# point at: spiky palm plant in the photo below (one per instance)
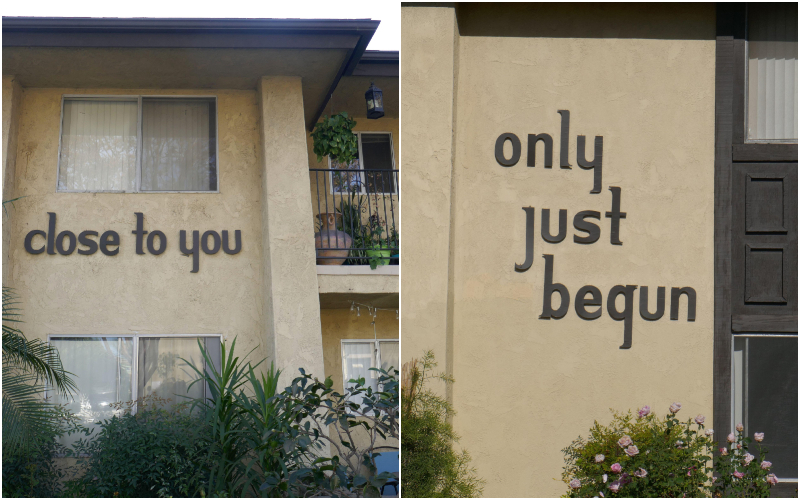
(28, 364)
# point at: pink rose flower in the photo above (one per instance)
(772, 479)
(614, 486)
(640, 473)
(575, 484)
(601, 495)
(758, 436)
(723, 451)
(625, 441)
(709, 432)
(748, 458)
(739, 427)
(674, 407)
(738, 474)
(739, 446)
(605, 478)
(632, 450)
(699, 419)
(599, 458)
(766, 464)
(645, 411)
(616, 468)
(731, 438)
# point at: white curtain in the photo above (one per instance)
(163, 373)
(98, 145)
(102, 368)
(390, 356)
(358, 358)
(772, 72)
(176, 145)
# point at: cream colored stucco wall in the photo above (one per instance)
(12, 100)
(130, 293)
(525, 387)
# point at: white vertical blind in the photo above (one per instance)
(772, 71)
(102, 368)
(176, 145)
(98, 145)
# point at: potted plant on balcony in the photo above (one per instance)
(334, 137)
(378, 248)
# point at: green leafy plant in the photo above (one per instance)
(28, 364)
(36, 472)
(334, 137)
(641, 456)
(319, 413)
(740, 474)
(154, 452)
(431, 466)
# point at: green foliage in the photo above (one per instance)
(154, 452)
(664, 458)
(334, 137)
(35, 472)
(317, 410)
(28, 420)
(430, 465)
(756, 478)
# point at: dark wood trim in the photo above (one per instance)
(765, 152)
(722, 233)
(757, 323)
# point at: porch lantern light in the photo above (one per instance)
(374, 97)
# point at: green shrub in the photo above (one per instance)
(739, 473)
(642, 456)
(35, 472)
(430, 465)
(154, 452)
(647, 456)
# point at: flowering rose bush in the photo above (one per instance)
(644, 456)
(738, 472)
(641, 455)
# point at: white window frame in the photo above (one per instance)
(744, 389)
(135, 337)
(361, 167)
(138, 181)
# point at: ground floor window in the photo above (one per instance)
(358, 356)
(110, 369)
(765, 396)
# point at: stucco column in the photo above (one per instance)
(428, 121)
(12, 102)
(291, 296)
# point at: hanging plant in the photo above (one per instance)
(334, 137)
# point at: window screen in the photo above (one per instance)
(359, 357)
(765, 396)
(377, 152)
(772, 71)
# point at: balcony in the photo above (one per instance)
(357, 235)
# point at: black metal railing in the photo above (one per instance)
(355, 216)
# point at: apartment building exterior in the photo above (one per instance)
(162, 176)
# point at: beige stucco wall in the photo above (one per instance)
(428, 62)
(130, 293)
(12, 100)
(525, 387)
